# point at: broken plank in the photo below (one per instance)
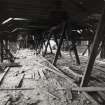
(88, 89)
(10, 65)
(19, 84)
(58, 72)
(14, 89)
(49, 93)
(88, 96)
(2, 76)
(50, 65)
(42, 73)
(71, 73)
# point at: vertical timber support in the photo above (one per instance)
(89, 47)
(98, 36)
(50, 48)
(102, 55)
(60, 44)
(42, 42)
(6, 47)
(76, 54)
(55, 38)
(74, 50)
(46, 45)
(36, 43)
(26, 40)
(1, 51)
(8, 52)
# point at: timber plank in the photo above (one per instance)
(19, 84)
(3, 75)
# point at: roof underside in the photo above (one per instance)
(42, 8)
(45, 12)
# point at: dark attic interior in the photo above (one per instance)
(52, 52)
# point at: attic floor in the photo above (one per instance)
(39, 83)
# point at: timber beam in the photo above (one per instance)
(98, 36)
(76, 54)
(60, 44)
(1, 51)
(48, 41)
(55, 38)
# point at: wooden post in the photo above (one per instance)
(26, 40)
(8, 52)
(41, 45)
(42, 42)
(6, 47)
(55, 38)
(102, 55)
(98, 36)
(60, 44)
(46, 45)
(88, 48)
(35, 43)
(50, 47)
(74, 50)
(76, 54)
(1, 51)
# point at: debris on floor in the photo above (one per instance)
(38, 82)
